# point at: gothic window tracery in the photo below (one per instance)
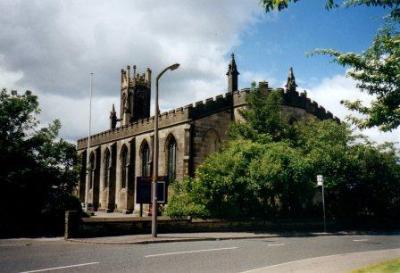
(145, 158)
(171, 159)
(124, 166)
(107, 168)
(91, 170)
(212, 140)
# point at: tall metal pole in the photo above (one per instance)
(155, 168)
(88, 140)
(323, 206)
(155, 156)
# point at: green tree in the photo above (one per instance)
(265, 172)
(394, 5)
(361, 178)
(264, 120)
(376, 71)
(37, 173)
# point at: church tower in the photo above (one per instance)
(135, 95)
(232, 75)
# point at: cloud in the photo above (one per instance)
(50, 47)
(330, 91)
(247, 77)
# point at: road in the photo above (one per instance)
(56, 255)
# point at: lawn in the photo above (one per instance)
(391, 266)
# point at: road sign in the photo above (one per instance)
(162, 191)
(143, 190)
(320, 180)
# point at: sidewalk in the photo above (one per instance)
(340, 263)
(183, 237)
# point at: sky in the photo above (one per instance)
(52, 46)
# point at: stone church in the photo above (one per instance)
(186, 136)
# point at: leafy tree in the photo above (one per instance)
(376, 71)
(361, 178)
(265, 172)
(264, 121)
(394, 5)
(37, 173)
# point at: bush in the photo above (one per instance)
(269, 170)
(182, 201)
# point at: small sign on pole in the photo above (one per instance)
(320, 180)
(162, 191)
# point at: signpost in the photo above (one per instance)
(320, 182)
(143, 191)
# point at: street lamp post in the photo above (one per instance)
(155, 155)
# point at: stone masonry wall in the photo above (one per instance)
(199, 129)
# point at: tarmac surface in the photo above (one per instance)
(339, 263)
(210, 252)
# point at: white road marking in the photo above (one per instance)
(59, 267)
(190, 251)
(264, 269)
(360, 240)
(281, 244)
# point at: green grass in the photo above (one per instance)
(390, 266)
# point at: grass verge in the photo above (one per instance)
(390, 266)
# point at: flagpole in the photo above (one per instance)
(88, 140)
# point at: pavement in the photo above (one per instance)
(340, 263)
(180, 237)
(199, 236)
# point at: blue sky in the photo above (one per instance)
(282, 39)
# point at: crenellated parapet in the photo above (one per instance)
(211, 105)
(300, 100)
(135, 105)
(173, 117)
(205, 108)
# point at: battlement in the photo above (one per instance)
(204, 108)
(129, 79)
(166, 119)
(300, 100)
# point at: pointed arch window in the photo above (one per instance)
(145, 158)
(91, 170)
(212, 140)
(171, 160)
(124, 166)
(107, 167)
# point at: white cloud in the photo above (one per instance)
(74, 113)
(330, 91)
(50, 47)
(247, 77)
(9, 79)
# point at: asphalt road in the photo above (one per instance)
(56, 255)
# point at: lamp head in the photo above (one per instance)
(174, 66)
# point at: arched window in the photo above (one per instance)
(124, 166)
(107, 167)
(145, 156)
(212, 142)
(171, 159)
(91, 171)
